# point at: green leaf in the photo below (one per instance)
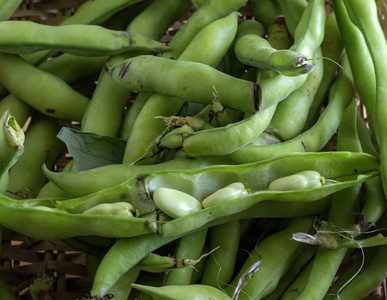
(91, 150)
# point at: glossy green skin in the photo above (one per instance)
(7, 8)
(291, 114)
(332, 48)
(314, 139)
(277, 253)
(122, 209)
(366, 18)
(45, 92)
(308, 179)
(105, 117)
(50, 225)
(77, 39)
(221, 263)
(41, 146)
(174, 203)
(160, 75)
(359, 58)
(189, 292)
(78, 184)
(228, 193)
(218, 36)
(188, 246)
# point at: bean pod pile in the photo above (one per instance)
(243, 156)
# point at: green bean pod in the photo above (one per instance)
(82, 183)
(221, 264)
(41, 220)
(77, 39)
(105, 117)
(291, 114)
(41, 146)
(332, 48)
(45, 92)
(256, 51)
(218, 35)
(189, 292)
(265, 11)
(276, 254)
(189, 246)
(292, 11)
(160, 75)
(368, 279)
(340, 96)
(7, 8)
(197, 184)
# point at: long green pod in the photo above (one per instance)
(368, 279)
(221, 263)
(82, 183)
(360, 60)
(36, 220)
(327, 261)
(366, 18)
(199, 186)
(340, 96)
(332, 49)
(189, 292)
(209, 12)
(122, 256)
(164, 76)
(105, 117)
(41, 146)
(43, 91)
(218, 35)
(265, 11)
(11, 141)
(7, 8)
(77, 39)
(276, 254)
(292, 11)
(290, 116)
(256, 51)
(68, 68)
(189, 246)
(224, 140)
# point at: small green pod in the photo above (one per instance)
(299, 181)
(123, 209)
(175, 203)
(230, 192)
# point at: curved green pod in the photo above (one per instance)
(50, 224)
(82, 183)
(188, 292)
(77, 39)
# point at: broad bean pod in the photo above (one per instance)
(276, 254)
(340, 96)
(218, 35)
(40, 89)
(82, 183)
(41, 146)
(7, 8)
(196, 183)
(256, 51)
(189, 292)
(332, 48)
(46, 224)
(105, 117)
(291, 114)
(365, 17)
(77, 39)
(292, 11)
(265, 11)
(327, 261)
